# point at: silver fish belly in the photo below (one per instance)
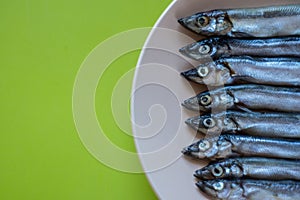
(247, 22)
(256, 97)
(251, 167)
(245, 69)
(279, 125)
(248, 189)
(216, 47)
(230, 145)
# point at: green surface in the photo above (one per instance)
(43, 44)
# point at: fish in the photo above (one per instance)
(216, 47)
(248, 96)
(282, 71)
(251, 167)
(271, 21)
(230, 145)
(264, 124)
(250, 189)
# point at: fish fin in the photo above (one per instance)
(243, 79)
(231, 94)
(233, 74)
(240, 34)
(238, 104)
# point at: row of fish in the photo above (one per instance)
(251, 118)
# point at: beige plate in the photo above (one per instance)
(158, 90)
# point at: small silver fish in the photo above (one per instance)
(249, 189)
(248, 22)
(229, 145)
(256, 97)
(246, 69)
(280, 125)
(216, 47)
(251, 167)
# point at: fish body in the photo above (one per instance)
(250, 96)
(229, 145)
(248, 189)
(216, 47)
(248, 22)
(251, 167)
(239, 69)
(280, 125)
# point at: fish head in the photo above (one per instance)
(221, 189)
(208, 73)
(220, 169)
(208, 23)
(205, 148)
(201, 102)
(219, 99)
(202, 50)
(207, 124)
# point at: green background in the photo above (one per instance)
(43, 44)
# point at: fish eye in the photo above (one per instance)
(204, 49)
(204, 145)
(205, 100)
(217, 171)
(209, 122)
(203, 71)
(202, 21)
(218, 186)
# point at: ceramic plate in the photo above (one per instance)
(158, 90)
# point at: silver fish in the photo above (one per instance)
(233, 70)
(247, 22)
(251, 167)
(241, 145)
(249, 189)
(216, 47)
(280, 125)
(255, 97)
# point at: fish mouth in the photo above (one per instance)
(192, 122)
(192, 51)
(190, 150)
(198, 174)
(184, 51)
(184, 22)
(181, 21)
(200, 185)
(192, 75)
(203, 175)
(195, 123)
(189, 24)
(186, 151)
(193, 151)
(206, 189)
(193, 104)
